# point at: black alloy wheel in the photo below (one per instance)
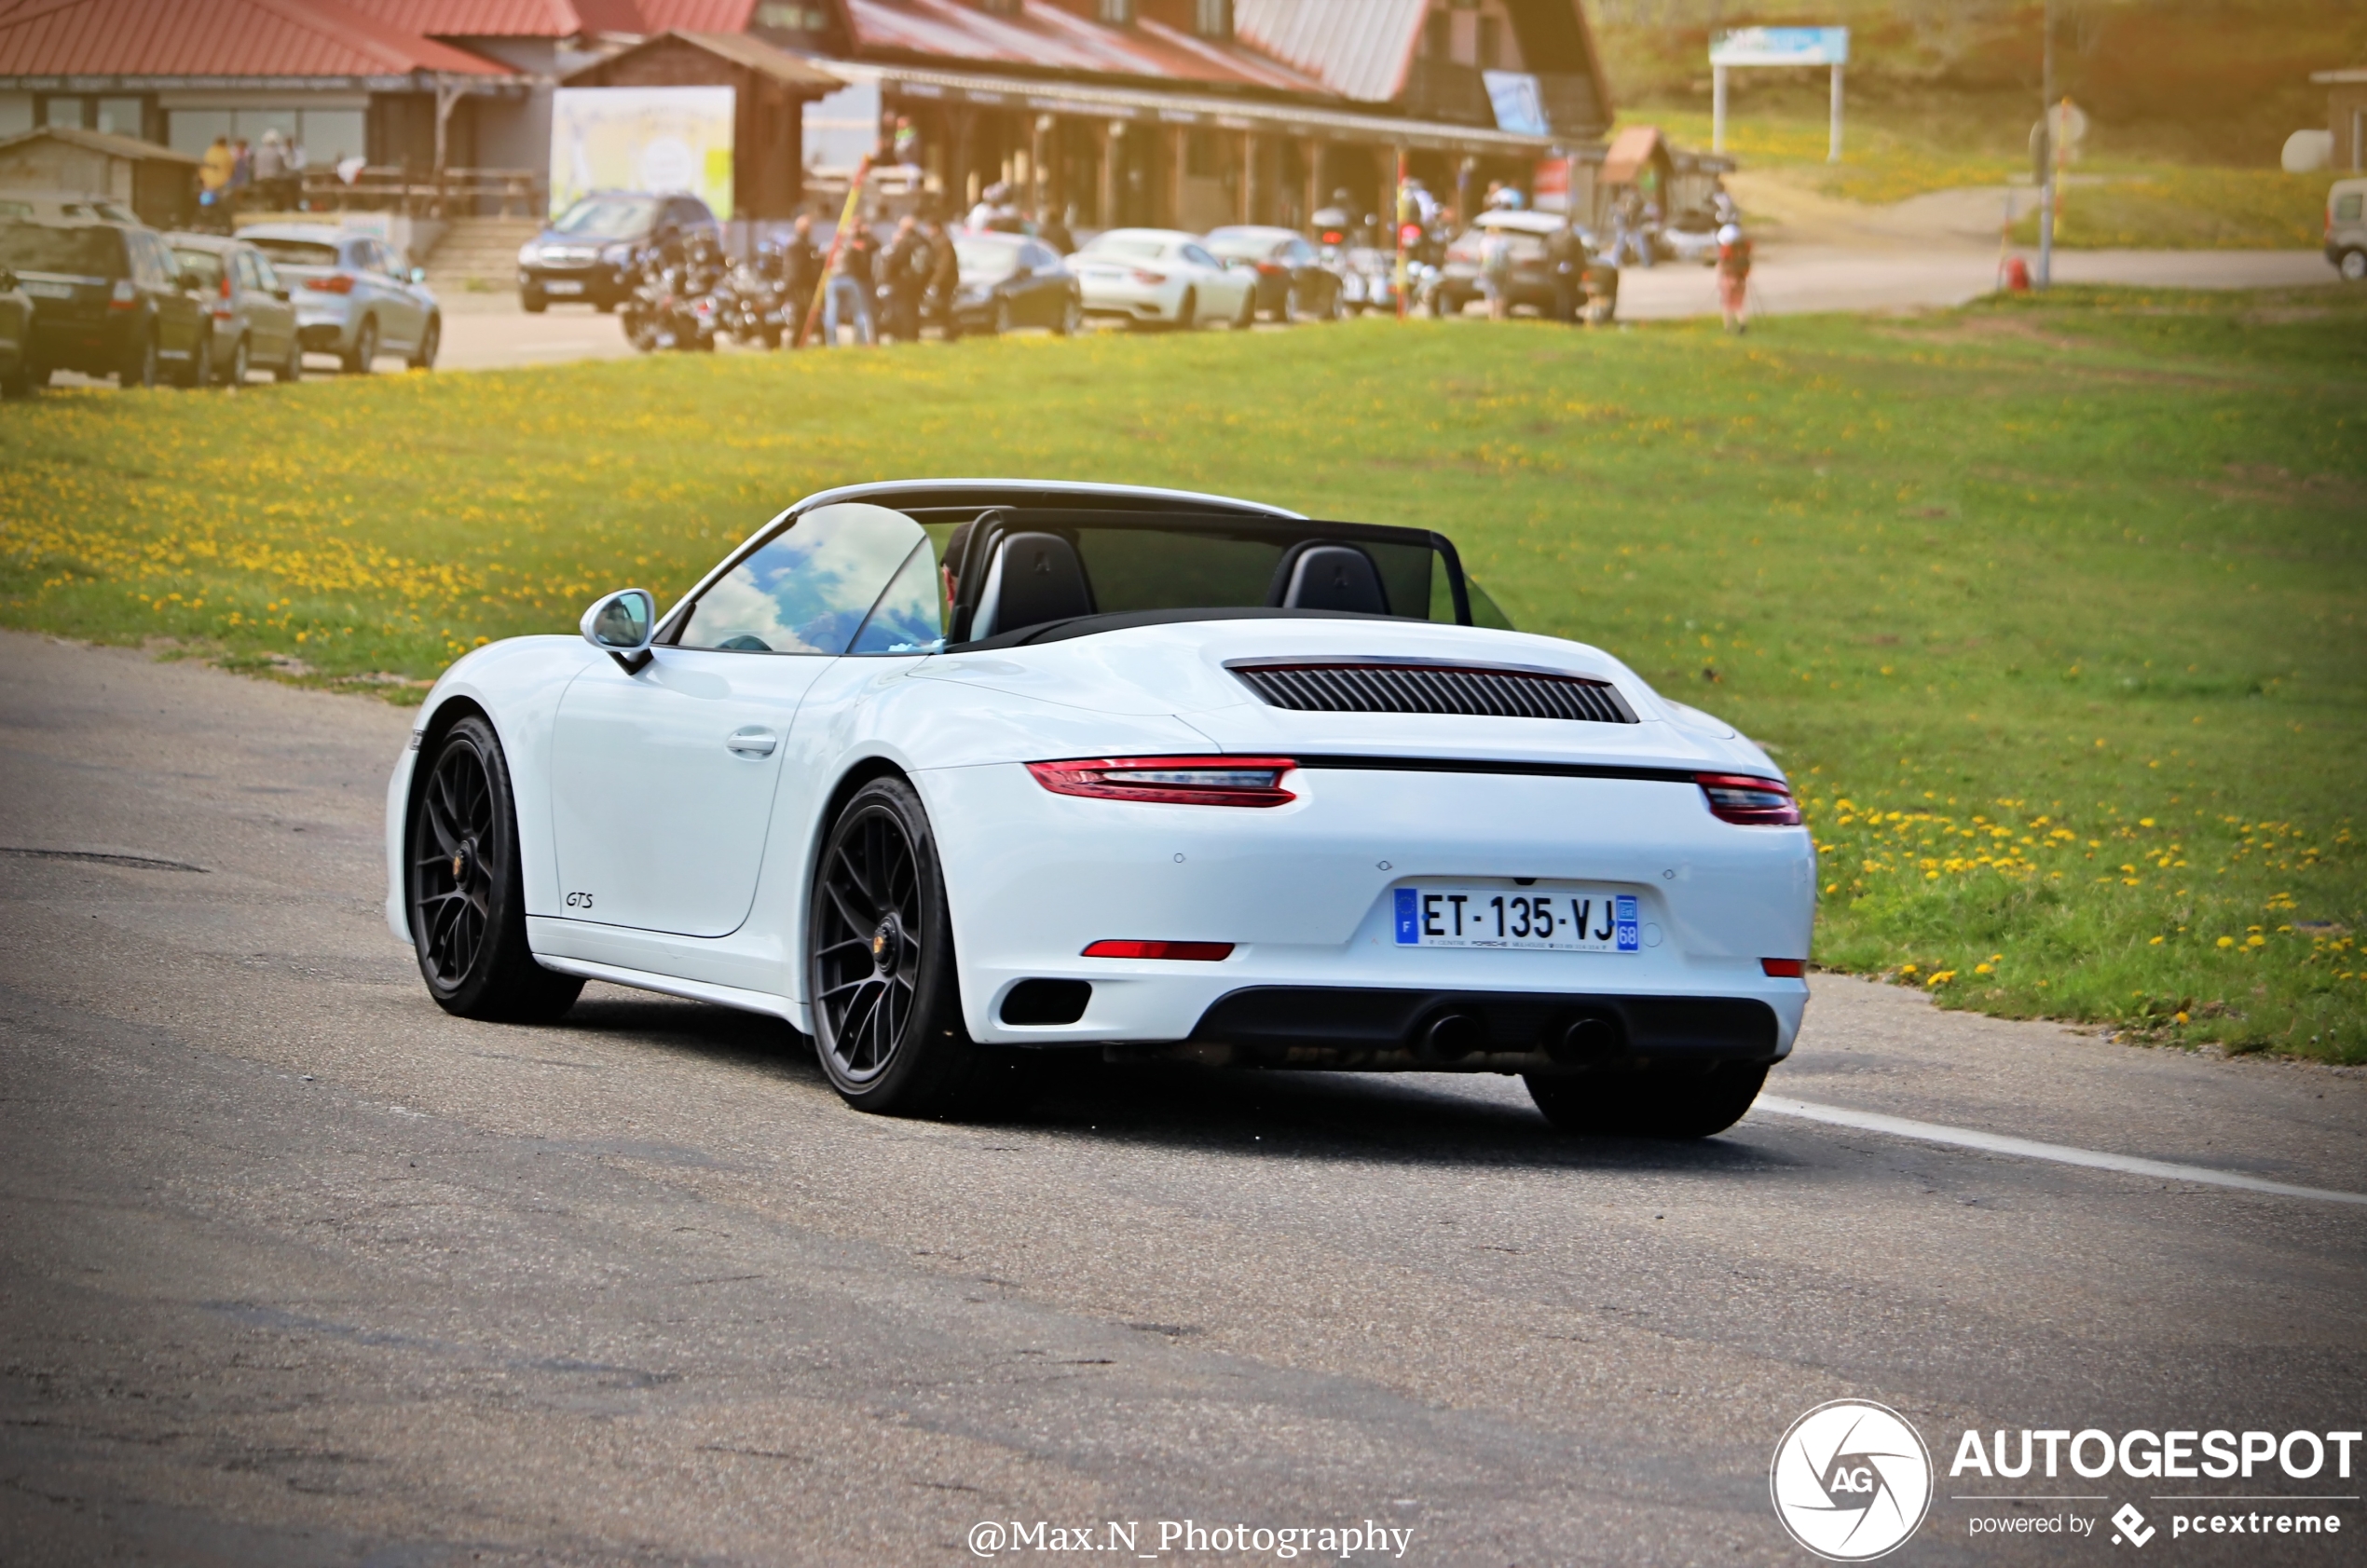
(1071, 317)
(465, 890)
(364, 353)
(423, 357)
(1659, 1103)
(140, 368)
(1289, 312)
(886, 1004)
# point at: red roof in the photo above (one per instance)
(215, 38)
(689, 15)
(1048, 37)
(557, 19)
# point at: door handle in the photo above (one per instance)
(751, 742)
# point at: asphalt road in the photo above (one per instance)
(295, 1269)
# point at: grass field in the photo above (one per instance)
(2051, 610)
(2115, 201)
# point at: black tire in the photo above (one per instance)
(291, 369)
(234, 375)
(1650, 1104)
(140, 369)
(1331, 308)
(1188, 314)
(465, 891)
(198, 372)
(886, 1003)
(2353, 266)
(1248, 315)
(1289, 311)
(533, 301)
(431, 339)
(1071, 317)
(363, 355)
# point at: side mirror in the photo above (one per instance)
(622, 625)
(281, 294)
(419, 274)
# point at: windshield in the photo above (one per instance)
(205, 264)
(295, 253)
(1128, 250)
(608, 214)
(87, 252)
(985, 260)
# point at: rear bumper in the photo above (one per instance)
(1480, 1032)
(93, 346)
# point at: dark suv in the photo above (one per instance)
(108, 299)
(587, 251)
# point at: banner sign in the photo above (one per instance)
(660, 140)
(1780, 46)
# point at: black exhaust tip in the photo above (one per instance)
(1452, 1036)
(1584, 1042)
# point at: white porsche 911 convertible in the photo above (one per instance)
(952, 773)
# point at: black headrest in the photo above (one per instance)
(1033, 578)
(1329, 577)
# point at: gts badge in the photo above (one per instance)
(578, 901)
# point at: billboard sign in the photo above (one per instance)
(1520, 108)
(1780, 46)
(666, 140)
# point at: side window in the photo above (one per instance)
(263, 277)
(909, 617)
(810, 588)
(246, 278)
(1199, 257)
(145, 266)
(2346, 208)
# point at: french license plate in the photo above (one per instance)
(563, 286)
(40, 290)
(1564, 920)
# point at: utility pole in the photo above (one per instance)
(2048, 162)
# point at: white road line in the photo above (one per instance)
(2023, 1148)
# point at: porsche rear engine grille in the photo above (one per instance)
(1435, 688)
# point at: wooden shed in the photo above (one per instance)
(155, 182)
(772, 88)
(2347, 115)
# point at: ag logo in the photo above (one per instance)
(1851, 1480)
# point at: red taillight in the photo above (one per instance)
(1197, 952)
(124, 296)
(1331, 236)
(1149, 279)
(1271, 269)
(1171, 781)
(1750, 801)
(1785, 969)
(337, 283)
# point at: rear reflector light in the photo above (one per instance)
(1199, 952)
(338, 283)
(1175, 781)
(1149, 279)
(1752, 802)
(124, 295)
(1271, 269)
(1785, 969)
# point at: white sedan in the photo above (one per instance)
(1153, 275)
(1165, 776)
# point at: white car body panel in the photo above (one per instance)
(698, 861)
(1111, 287)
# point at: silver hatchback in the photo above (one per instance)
(354, 297)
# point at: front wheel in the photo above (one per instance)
(1669, 1104)
(423, 357)
(534, 302)
(466, 891)
(1246, 317)
(1072, 318)
(2354, 267)
(886, 1004)
(140, 369)
(1188, 315)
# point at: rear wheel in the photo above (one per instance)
(1188, 315)
(363, 355)
(234, 374)
(887, 1007)
(140, 368)
(200, 373)
(1289, 312)
(466, 892)
(1650, 1104)
(1072, 318)
(1247, 316)
(292, 368)
(2354, 267)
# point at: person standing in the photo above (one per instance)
(270, 172)
(800, 272)
(945, 281)
(241, 172)
(904, 269)
(213, 183)
(850, 290)
(1734, 277)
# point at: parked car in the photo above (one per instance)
(1532, 278)
(1394, 835)
(1008, 280)
(19, 202)
(108, 300)
(1292, 278)
(1152, 275)
(253, 319)
(16, 336)
(589, 251)
(1691, 236)
(2346, 228)
(355, 297)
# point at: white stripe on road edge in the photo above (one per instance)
(1993, 1143)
